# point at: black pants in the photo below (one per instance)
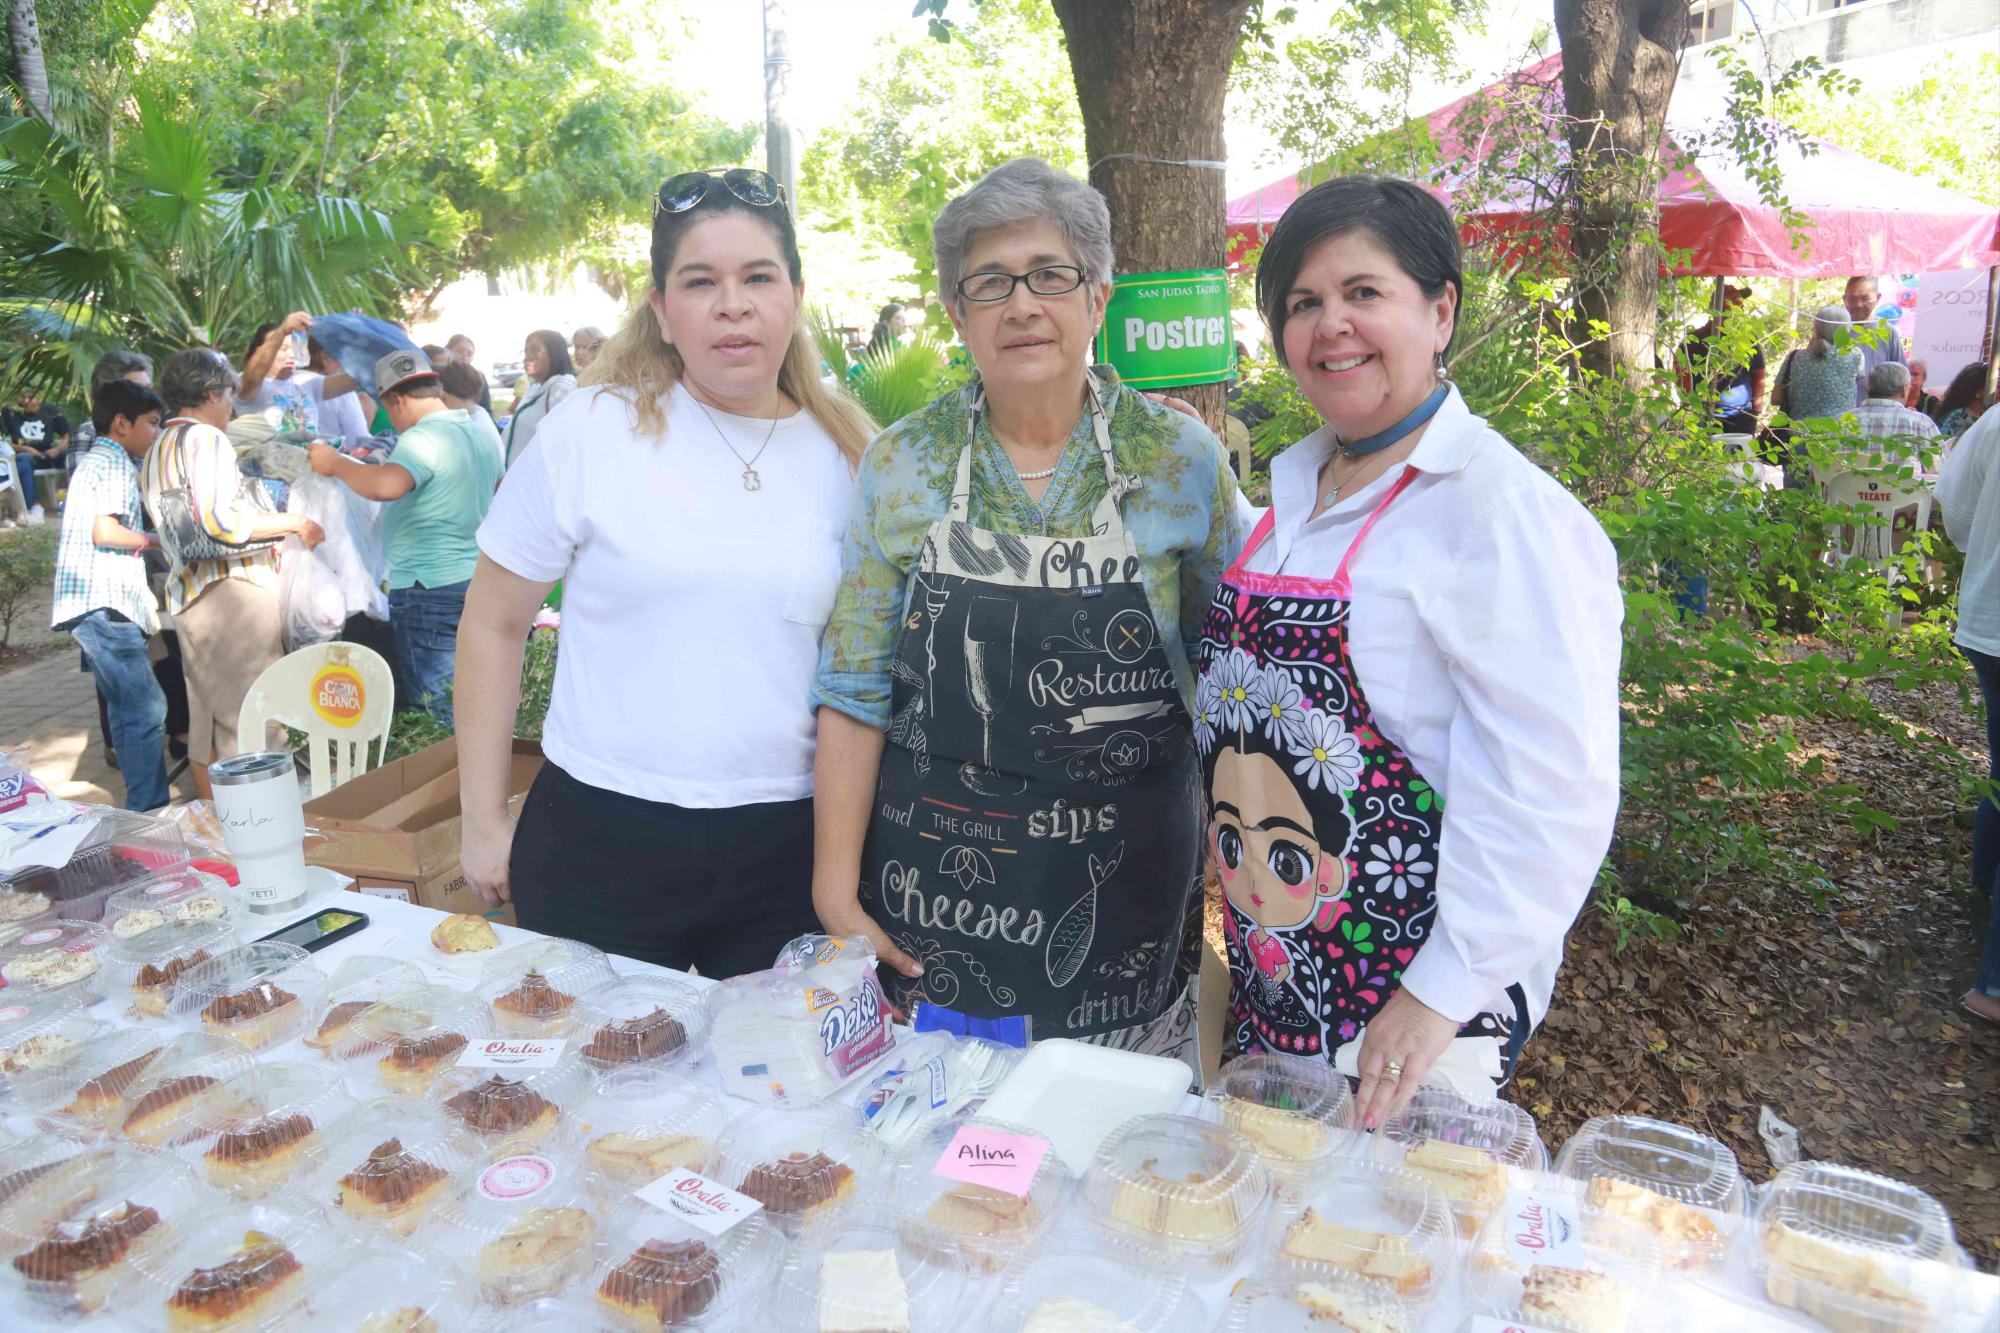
(720, 890)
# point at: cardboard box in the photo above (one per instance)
(396, 829)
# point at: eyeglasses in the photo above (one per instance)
(1055, 280)
(752, 187)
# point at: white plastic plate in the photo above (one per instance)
(1073, 1094)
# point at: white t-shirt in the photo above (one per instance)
(692, 608)
(341, 415)
(298, 396)
(1969, 493)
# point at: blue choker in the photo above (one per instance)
(1383, 439)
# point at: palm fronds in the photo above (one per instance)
(895, 381)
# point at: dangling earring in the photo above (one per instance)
(1443, 375)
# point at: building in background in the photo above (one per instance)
(1883, 43)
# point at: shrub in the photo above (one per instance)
(27, 571)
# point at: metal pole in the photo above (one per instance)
(780, 159)
(1992, 332)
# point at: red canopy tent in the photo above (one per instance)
(1864, 217)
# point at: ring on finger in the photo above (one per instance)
(1394, 1070)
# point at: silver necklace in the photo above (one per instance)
(751, 481)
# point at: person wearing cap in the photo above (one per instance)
(438, 485)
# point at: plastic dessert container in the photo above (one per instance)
(70, 1229)
(654, 1022)
(240, 1264)
(1183, 1187)
(141, 972)
(86, 1090)
(656, 1270)
(389, 1165)
(355, 985)
(1854, 1250)
(1682, 1186)
(571, 1314)
(1465, 1149)
(1548, 1260)
(1070, 1282)
(977, 1226)
(1296, 1113)
(391, 1288)
(1377, 1222)
(402, 1043)
(1293, 1298)
(188, 1079)
(534, 989)
(35, 1034)
(120, 849)
(638, 1124)
(57, 959)
(512, 1110)
(853, 1274)
(523, 1227)
(804, 1165)
(180, 894)
(24, 907)
(261, 995)
(256, 1141)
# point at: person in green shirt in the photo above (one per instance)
(438, 485)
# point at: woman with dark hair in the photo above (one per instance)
(461, 384)
(546, 365)
(1964, 401)
(225, 610)
(1408, 696)
(691, 500)
(890, 326)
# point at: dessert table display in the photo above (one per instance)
(436, 1123)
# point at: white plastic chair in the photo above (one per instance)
(1744, 467)
(10, 481)
(1903, 506)
(341, 695)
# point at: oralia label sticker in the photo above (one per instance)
(699, 1201)
(338, 695)
(1543, 1229)
(513, 1178)
(512, 1053)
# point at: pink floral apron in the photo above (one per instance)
(1324, 833)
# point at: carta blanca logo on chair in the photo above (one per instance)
(338, 695)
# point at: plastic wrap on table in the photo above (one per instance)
(801, 1029)
(18, 786)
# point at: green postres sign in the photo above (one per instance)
(1169, 328)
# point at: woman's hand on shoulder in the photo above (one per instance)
(1180, 405)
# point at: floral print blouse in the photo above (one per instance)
(1185, 520)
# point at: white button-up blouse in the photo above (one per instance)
(1485, 631)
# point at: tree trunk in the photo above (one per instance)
(1150, 79)
(1620, 60)
(25, 31)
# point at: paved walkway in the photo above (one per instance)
(50, 707)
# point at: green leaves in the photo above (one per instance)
(893, 381)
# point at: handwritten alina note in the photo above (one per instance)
(993, 1158)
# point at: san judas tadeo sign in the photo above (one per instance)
(1169, 328)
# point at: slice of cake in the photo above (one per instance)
(504, 1111)
(256, 1017)
(409, 1319)
(862, 1291)
(985, 1225)
(1166, 1208)
(1386, 1258)
(1468, 1177)
(102, 1094)
(1284, 1135)
(799, 1184)
(392, 1187)
(85, 1262)
(247, 1288)
(1825, 1281)
(639, 1159)
(134, 924)
(533, 1009)
(663, 1283)
(334, 1026)
(157, 1118)
(531, 1258)
(261, 1153)
(154, 985)
(1339, 1310)
(1687, 1228)
(1069, 1314)
(413, 1063)
(37, 1052)
(1577, 1298)
(631, 1040)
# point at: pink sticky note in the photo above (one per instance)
(993, 1158)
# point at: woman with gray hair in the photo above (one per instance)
(1006, 783)
(225, 610)
(1821, 379)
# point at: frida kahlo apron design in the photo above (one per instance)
(1035, 840)
(1324, 833)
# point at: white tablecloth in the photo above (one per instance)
(401, 930)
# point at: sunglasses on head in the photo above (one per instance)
(752, 187)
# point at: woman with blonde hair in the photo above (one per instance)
(692, 500)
